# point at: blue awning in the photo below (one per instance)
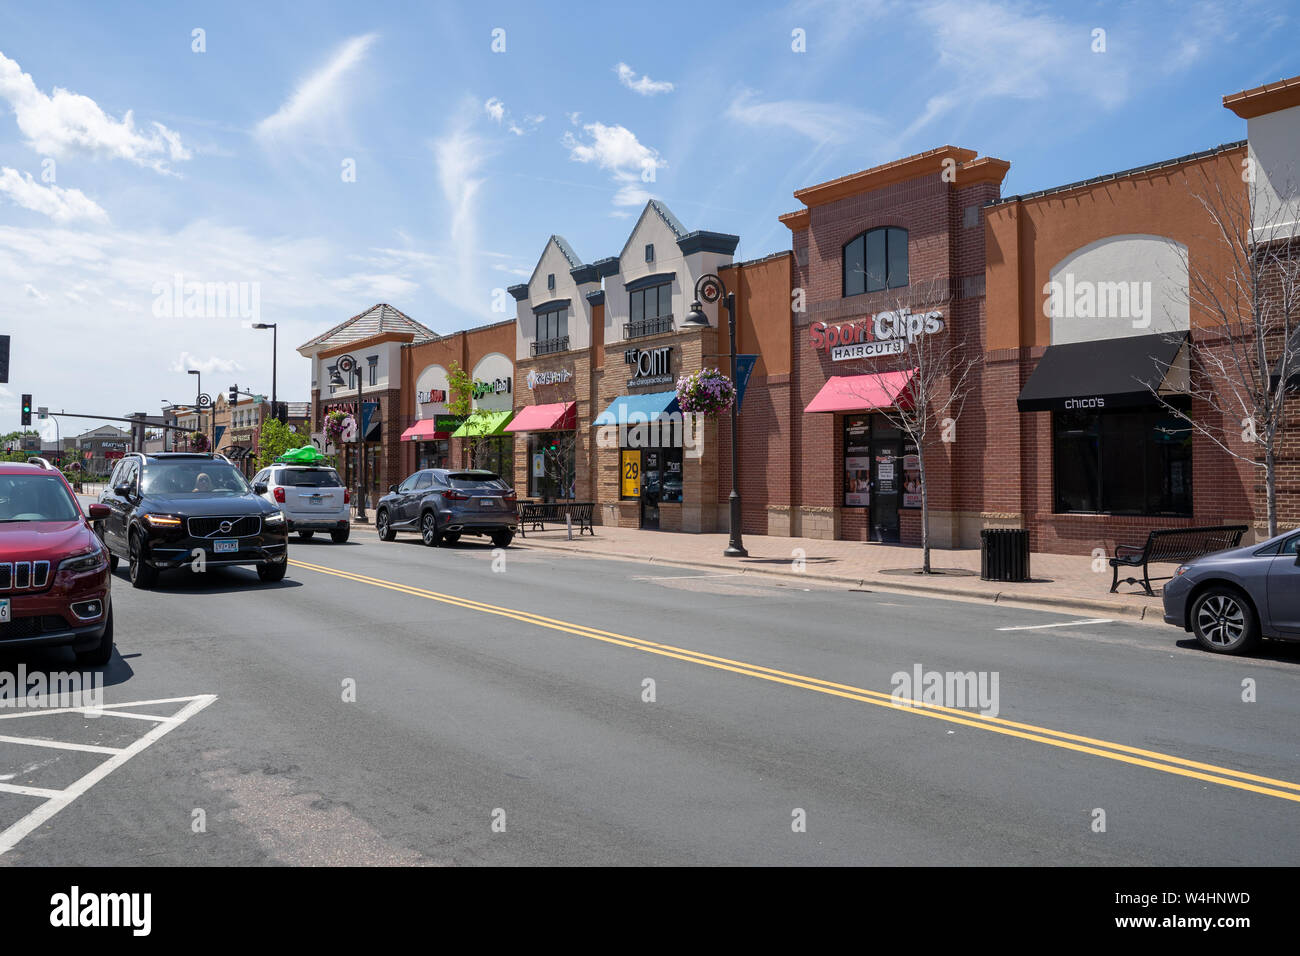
(638, 408)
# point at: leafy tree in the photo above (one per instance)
(460, 402)
(274, 441)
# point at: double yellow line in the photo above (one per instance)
(1153, 760)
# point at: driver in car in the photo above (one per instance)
(202, 483)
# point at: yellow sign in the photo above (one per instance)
(630, 472)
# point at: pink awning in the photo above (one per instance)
(862, 393)
(426, 429)
(560, 417)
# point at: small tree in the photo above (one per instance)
(460, 402)
(1245, 352)
(942, 374)
(275, 439)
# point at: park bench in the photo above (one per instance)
(535, 514)
(1171, 545)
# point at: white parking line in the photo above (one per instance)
(58, 799)
(1036, 627)
(58, 745)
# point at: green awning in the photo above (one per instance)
(483, 424)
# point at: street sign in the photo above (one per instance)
(43, 412)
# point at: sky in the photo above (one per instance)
(312, 160)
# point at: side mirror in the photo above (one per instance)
(97, 511)
(122, 489)
(392, 488)
(259, 488)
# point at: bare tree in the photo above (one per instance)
(1245, 348)
(942, 375)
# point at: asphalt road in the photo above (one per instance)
(501, 716)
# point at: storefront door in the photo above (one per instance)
(651, 487)
(886, 492)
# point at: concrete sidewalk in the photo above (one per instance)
(1059, 582)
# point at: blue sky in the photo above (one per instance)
(127, 158)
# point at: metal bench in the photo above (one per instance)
(1172, 545)
(535, 514)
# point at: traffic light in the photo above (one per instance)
(27, 410)
(4, 359)
(234, 395)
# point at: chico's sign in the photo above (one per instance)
(884, 333)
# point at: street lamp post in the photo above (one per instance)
(711, 289)
(202, 401)
(345, 366)
(275, 409)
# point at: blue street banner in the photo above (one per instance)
(744, 367)
(216, 441)
(367, 409)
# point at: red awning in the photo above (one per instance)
(560, 417)
(861, 393)
(426, 429)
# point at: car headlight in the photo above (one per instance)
(274, 517)
(162, 521)
(86, 561)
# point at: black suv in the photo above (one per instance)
(443, 504)
(178, 510)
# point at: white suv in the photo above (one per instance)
(311, 498)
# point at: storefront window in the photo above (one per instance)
(496, 454)
(1134, 462)
(551, 469)
(433, 454)
(857, 461)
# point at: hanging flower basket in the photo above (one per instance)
(707, 392)
(198, 441)
(335, 424)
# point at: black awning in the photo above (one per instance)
(1107, 373)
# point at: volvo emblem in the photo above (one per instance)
(225, 527)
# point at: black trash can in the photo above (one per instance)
(1004, 554)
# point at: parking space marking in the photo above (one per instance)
(56, 800)
(1039, 627)
(58, 745)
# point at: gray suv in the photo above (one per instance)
(442, 504)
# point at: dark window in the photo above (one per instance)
(408, 484)
(307, 478)
(552, 325)
(550, 281)
(35, 498)
(188, 478)
(649, 252)
(468, 481)
(876, 260)
(558, 472)
(653, 302)
(1135, 462)
(423, 480)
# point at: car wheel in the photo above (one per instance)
(502, 539)
(386, 532)
(271, 573)
(341, 535)
(306, 535)
(102, 653)
(451, 537)
(142, 576)
(1223, 621)
(429, 529)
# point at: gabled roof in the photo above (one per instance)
(374, 321)
(1268, 98)
(566, 250)
(689, 242)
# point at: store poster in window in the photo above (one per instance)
(911, 476)
(857, 463)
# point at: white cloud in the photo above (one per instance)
(459, 157)
(616, 149)
(819, 122)
(320, 95)
(67, 123)
(495, 109)
(643, 84)
(212, 363)
(61, 205)
(32, 292)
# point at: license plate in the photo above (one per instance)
(315, 499)
(225, 547)
(486, 503)
(4, 610)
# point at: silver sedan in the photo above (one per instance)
(1232, 598)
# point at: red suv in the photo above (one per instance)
(54, 576)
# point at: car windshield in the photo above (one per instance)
(35, 498)
(308, 478)
(477, 481)
(203, 478)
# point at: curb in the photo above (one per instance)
(1135, 612)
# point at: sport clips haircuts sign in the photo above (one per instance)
(885, 333)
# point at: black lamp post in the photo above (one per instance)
(348, 365)
(202, 401)
(711, 289)
(275, 409)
